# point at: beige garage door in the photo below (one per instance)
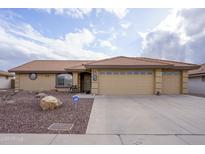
(126, 82)
(171, 82)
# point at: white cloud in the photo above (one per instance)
(173, 23)
(75, 13)
(125, 25)
(107, 44)
(119, 12)
(110, 31)
(78, 13)
(179, 37)
(19, 43)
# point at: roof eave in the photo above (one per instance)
(75, 70)
(192, 67)
(144, 66)
(127, 66)
(37, 71)
(196, 75)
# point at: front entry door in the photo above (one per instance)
(87, 83)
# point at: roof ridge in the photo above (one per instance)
(105, 59)
(10, 70)
(133, 58)
(158, 60)
(143, 59)
(164, 60)
(75, 66)
(61, 60)
(180, 62)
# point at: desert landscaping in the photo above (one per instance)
(20, 112)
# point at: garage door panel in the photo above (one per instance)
(171, 82)
(126, 83)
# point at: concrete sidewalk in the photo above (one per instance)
(46, 139)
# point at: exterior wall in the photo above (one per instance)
(184, 82)
(48, 81)
(17, 81)
(94, 83)
(76, 79)
(61, 89)
(43, 82)
(79, 81)
(5, 83)
(158, 81)
(196, 85)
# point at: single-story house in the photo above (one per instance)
(196, 82)
(112, 76)
(5, 79)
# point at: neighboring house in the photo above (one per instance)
(5, 80)
(112, 76)
(196, 82)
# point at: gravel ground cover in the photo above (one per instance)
(20, 113)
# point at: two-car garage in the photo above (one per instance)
(137, 81)
(139, 75)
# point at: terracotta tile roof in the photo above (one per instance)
(48, 65)
(138, 62)
(170, 62)
(76, 67)
(115, 62)
(197, 72)
(121, 61)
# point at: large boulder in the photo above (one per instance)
(50, 103)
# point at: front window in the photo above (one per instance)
(64, 80)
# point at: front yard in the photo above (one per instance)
(21, 113)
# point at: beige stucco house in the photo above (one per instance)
(113, 76)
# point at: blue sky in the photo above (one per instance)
(29, 34)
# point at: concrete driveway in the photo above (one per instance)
(148, 115)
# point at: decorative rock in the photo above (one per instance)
(4, 97)
(30, 92)
(50, 103)
(16, 91)
(40, 95)
(10, 102)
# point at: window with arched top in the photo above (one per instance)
(64, 80)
